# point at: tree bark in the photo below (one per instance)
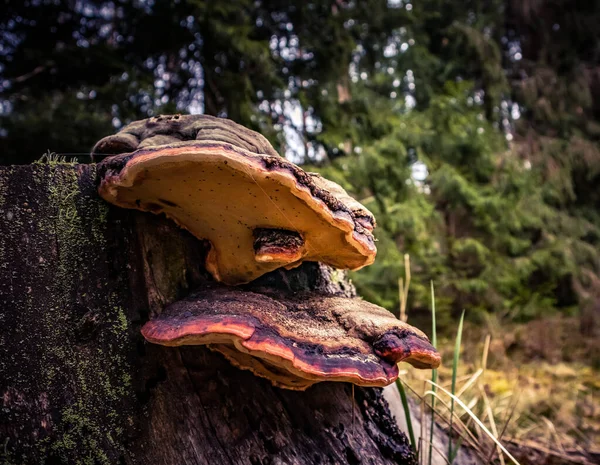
(78, 383)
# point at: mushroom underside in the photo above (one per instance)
(295, 341)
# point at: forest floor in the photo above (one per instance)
(534, 384)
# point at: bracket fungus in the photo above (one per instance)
(295, 340)
(226, 184)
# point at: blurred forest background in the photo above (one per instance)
(471, 129)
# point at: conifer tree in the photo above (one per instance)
(469, 128)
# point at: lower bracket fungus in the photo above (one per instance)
(295, 340)
(226, 184)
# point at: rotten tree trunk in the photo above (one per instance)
(78, 384)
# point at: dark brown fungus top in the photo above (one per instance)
(223, 183)
(295, 340)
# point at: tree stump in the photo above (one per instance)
(78, 383)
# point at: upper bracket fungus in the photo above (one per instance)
(226, 184)
(295, 340)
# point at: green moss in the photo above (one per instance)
(2, 191)
(337, 276)
(122, 319)
(97, 381)
(6, 457)
(87, 380)
(81, 437)
(126, 379)
(4, 175)
(53, 159)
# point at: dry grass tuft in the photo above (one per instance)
(544, 411)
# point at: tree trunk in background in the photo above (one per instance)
(78, 384)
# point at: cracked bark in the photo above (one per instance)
(78, 384)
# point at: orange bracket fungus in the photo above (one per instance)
(295, 340)
(225, 183)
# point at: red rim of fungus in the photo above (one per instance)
(295, 341)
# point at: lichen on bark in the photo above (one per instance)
(71, 326)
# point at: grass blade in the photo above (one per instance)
(490, 415)
(421, 455)
(475, 377)
(403, 288)
(476, 420)
(433, 372)
(406, 407)
(454, 371)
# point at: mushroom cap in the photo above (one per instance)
(295, 341)
(222, 181)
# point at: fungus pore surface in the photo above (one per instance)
(226, 184)
(295, 340)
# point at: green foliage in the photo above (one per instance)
(455, 361)
(468, 225)
(504, 227)
(365, 92)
